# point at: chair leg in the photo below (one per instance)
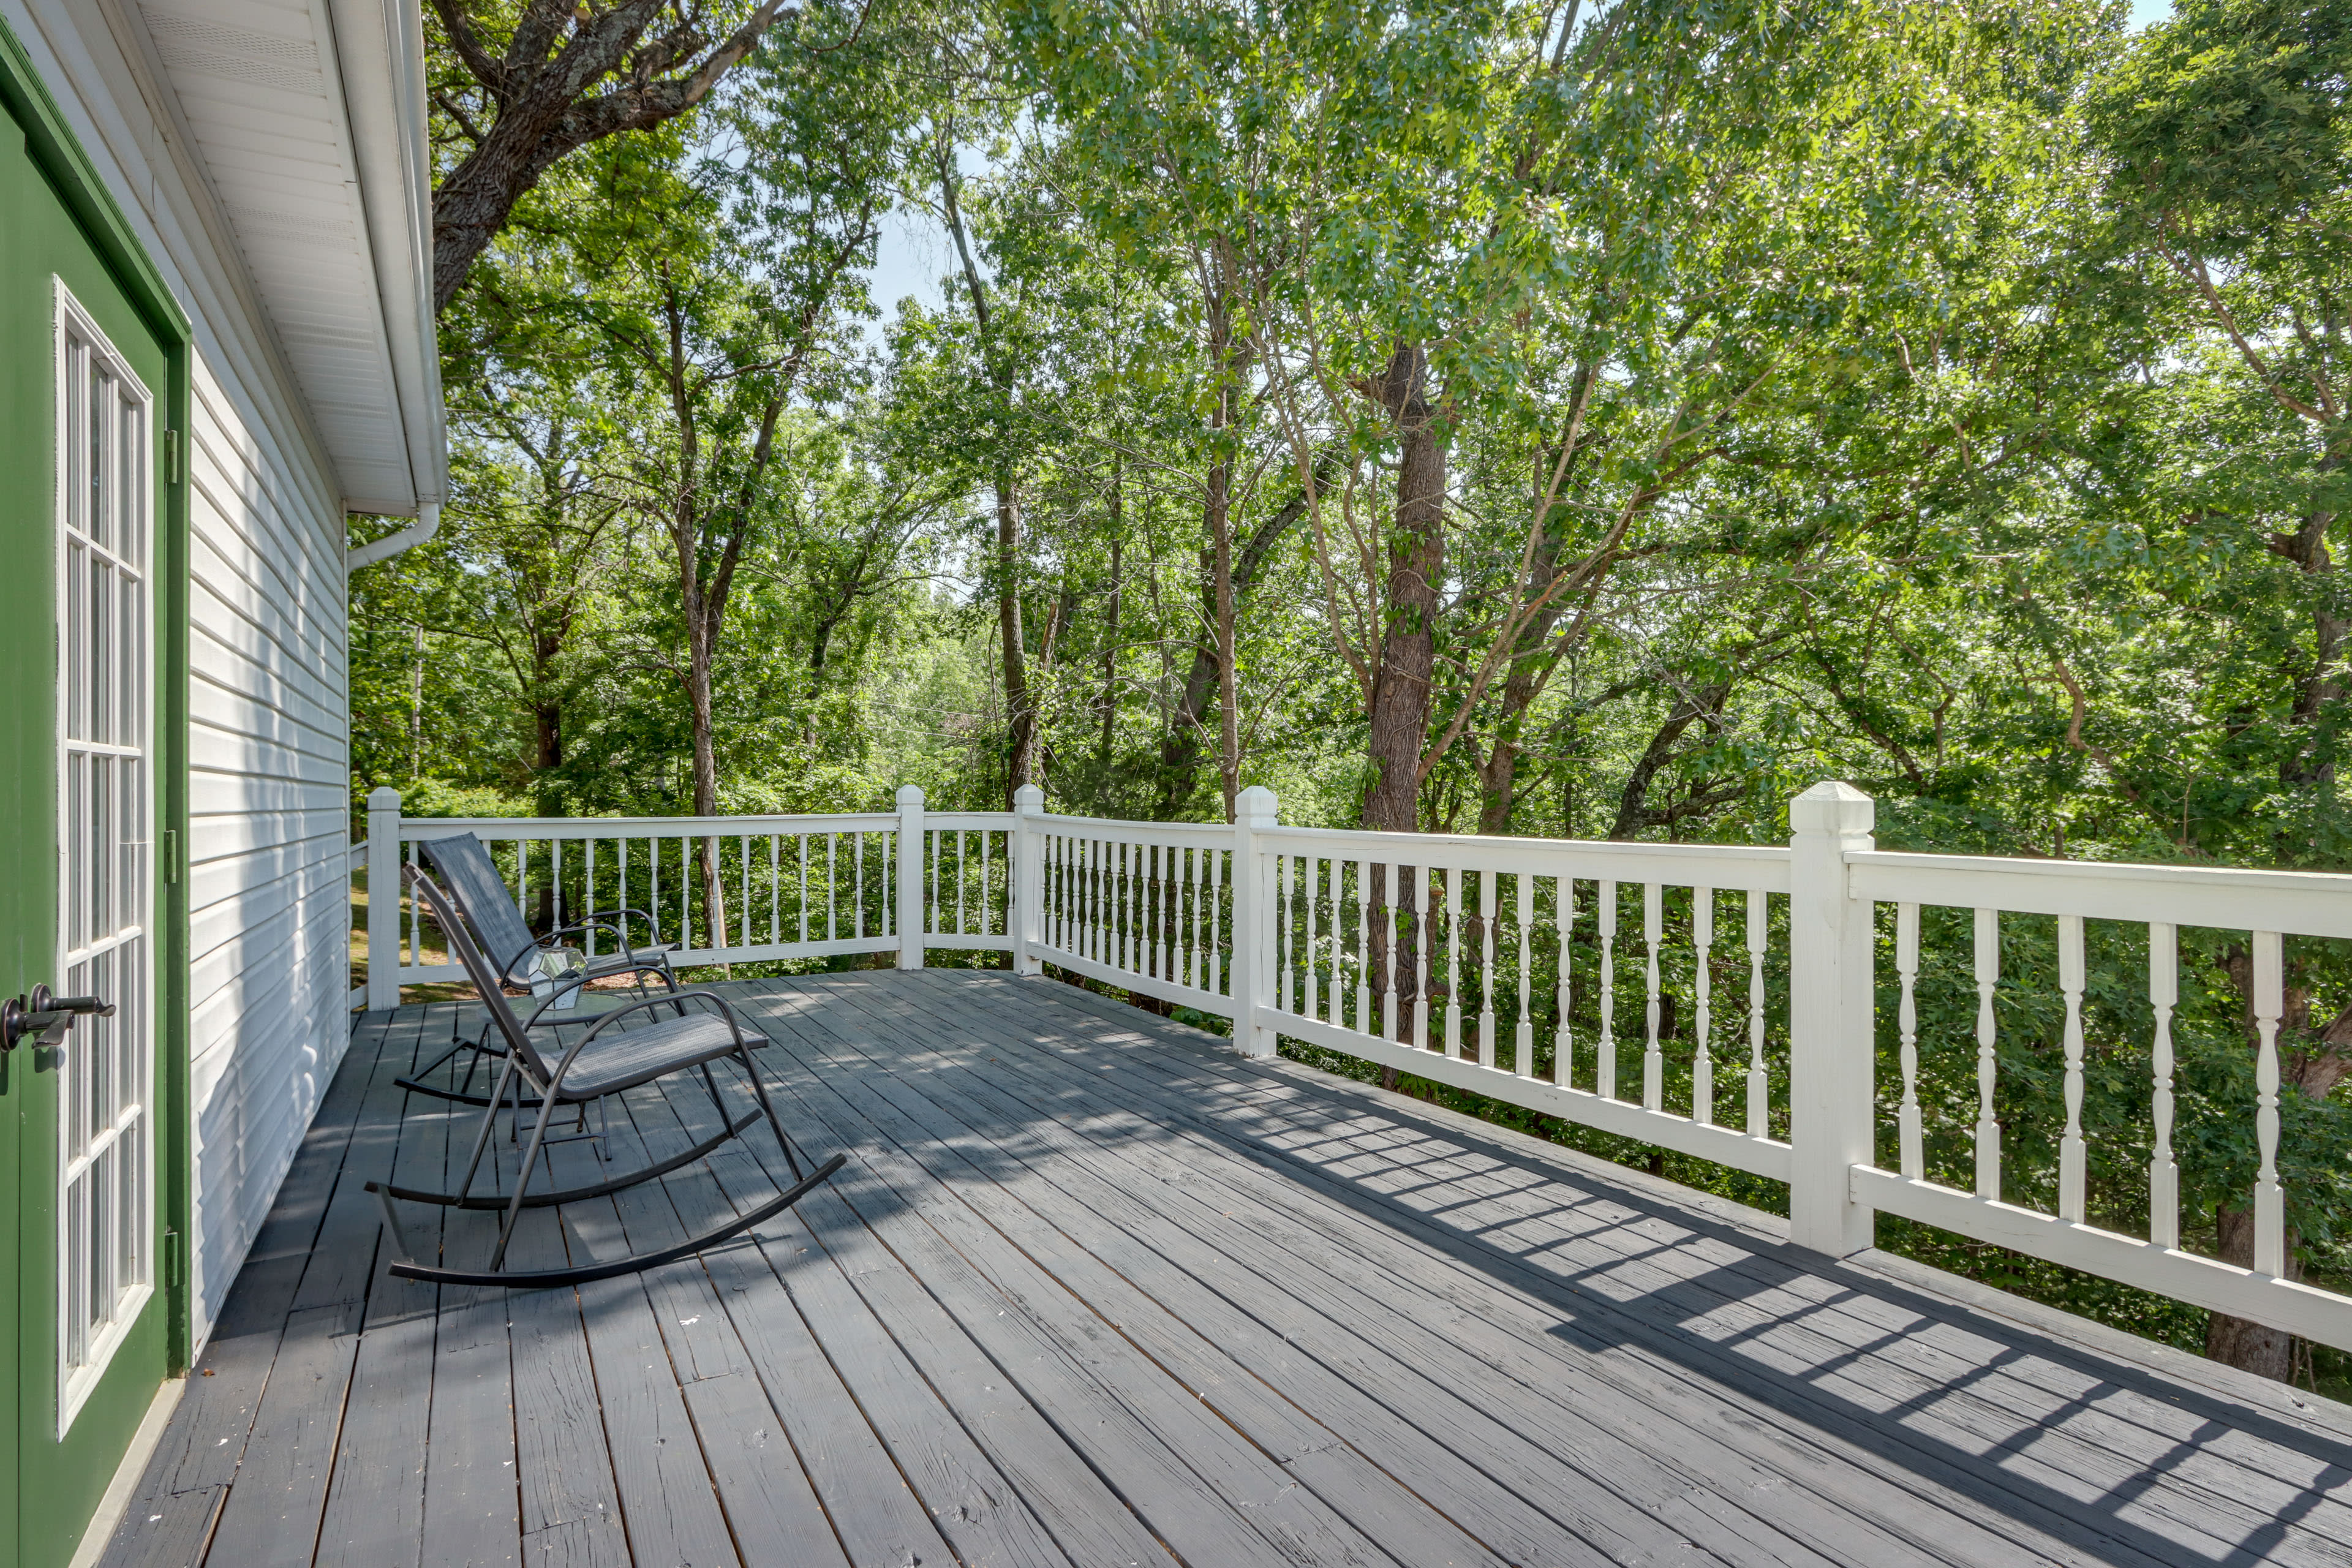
(712, 1085)
(489, 1122)
(523, 1176)
(751, 1071)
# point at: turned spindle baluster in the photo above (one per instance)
(1487, 969)
(1702, 1065)
(1605, 1070)
(1524, 1059)
(1906, 966)
(1988, 971)
(1563, 912)
(2163, 1175)
(2071, 1151)
(2270, 1199)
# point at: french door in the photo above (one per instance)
(106, 1154)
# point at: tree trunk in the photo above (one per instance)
(1109, 702)
(1022, 738)
(699, 651)
(1498, 770)
(1180, 744)
(555, 91)
(416, 708)
(1401, 688)
(1219, 517)
(2240, 1342)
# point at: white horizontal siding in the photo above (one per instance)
(268, 893)
(268, 746)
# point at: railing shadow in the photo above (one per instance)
(1384, 1164)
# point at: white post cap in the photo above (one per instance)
(1834, 808)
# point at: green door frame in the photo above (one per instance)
(59, 154)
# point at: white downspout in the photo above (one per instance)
(428, 521)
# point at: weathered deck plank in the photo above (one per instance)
(1773, 1312)
(1092, 1290)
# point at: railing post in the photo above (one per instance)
(1255, 812)
(384, 899)
(910, 877)
(1026, 920)
(1830, 1021)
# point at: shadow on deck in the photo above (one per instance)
(1092, 1290)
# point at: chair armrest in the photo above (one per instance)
(653, 927)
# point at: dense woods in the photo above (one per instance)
(1598, 420)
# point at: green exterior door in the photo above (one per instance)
(88, 1130)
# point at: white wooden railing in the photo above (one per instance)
(1497, 966)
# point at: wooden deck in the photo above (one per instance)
(1094, 1291)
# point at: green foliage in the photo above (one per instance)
(1950, 399)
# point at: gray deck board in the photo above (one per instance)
(1781, 1321)
(1093, 1290)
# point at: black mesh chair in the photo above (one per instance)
(682, 1031)
(462, 865)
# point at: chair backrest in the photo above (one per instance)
(463, 864)
(446, 914)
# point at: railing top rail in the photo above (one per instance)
(995, 821)
(2308, 903)
(1762, 867)
(1222, 832)
(645, 827)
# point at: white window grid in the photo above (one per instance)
(106, 1136)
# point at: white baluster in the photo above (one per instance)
(2163, 1175)
(1906, 966)
(776, 889)
(987, 921)
(2070, 1172)
(1653, 1061)
(832, 916)
(2270, 1199)
(1363, 949)
(1486, 901)
(1391, 891)
(1606, 1081)
(743, 848)
(1424, 955)
(1702, 1065)
(1987, 969)
(1213, 959)
(1563, 1039)
(1336, 983)
(1760, 1082)
(1452, 895)
(1285, 867)
(804, 887)
(1524, 1062)
(859, 884)
(1137, 940)
(1196, 968)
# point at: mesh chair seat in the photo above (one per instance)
(626, 1058)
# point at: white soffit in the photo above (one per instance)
(308, 117)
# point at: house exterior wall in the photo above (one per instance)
(269, 710)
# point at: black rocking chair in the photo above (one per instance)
(463, 864)
(702, 1028)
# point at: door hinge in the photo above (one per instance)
(171, 1259)
(171, 855)
(171, 457)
